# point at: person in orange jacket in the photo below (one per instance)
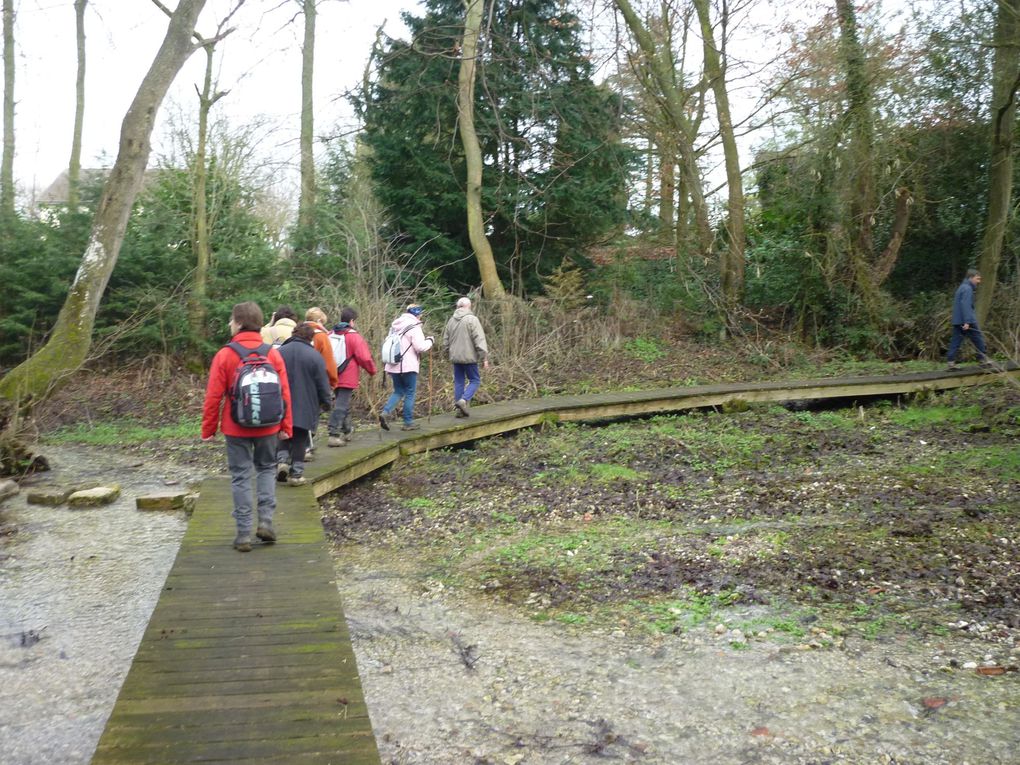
(320, 341)
(250, 450)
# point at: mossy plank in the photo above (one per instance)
(173, 750)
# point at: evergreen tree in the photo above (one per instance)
(555, 166)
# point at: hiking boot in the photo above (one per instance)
(282, 471)
(410, 426)
(952, 366)
(463, 407)
(265, 531)
(990, 365)
(297, 480)
(336, 441)
(309, 456)
(242, 542)
(382, 422)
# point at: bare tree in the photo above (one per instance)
(68, 344)
(74, 166)
(732, 260)
(306, 204)
(1005, 81)
(491, 284)
(207, 98)
(7, 165)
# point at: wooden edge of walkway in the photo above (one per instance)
(441, 431)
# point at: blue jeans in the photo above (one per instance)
(405, 384)
(973, 334)
(245, 457)
(474, 380)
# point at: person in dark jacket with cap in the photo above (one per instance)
(309, 394)
(964, 320)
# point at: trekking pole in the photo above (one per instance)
(430, 382)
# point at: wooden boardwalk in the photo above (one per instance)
(247, 658)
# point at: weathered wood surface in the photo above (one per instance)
(247, 658)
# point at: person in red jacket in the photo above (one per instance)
(249, 450)
(341, 428)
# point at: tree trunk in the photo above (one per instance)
(667, 186)
(74, 166)
(7, 164)
(69, 342)
(662, 70)
(732, 262)
(306, 205)
(491, 285)
(1005, 79)
(203, 249)
(859, 122)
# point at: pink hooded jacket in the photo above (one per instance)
(412, 343)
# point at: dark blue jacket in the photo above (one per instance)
(309, 384)
(963, 304)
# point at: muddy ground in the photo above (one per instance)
(758, 586)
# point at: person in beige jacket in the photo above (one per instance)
(464, 344)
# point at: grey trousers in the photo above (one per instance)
(340, 417)
(247, 457)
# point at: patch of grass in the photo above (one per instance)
(125, 432)
(571, 618)
(932, 416)
(690, 610)
(644, 349)
(999, 462)
(422, 503)
(608, 473)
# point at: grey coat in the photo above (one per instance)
(309, 384)
(464, 339)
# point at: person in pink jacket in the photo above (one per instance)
(413, 342)
(358, 357)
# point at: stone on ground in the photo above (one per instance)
(168, 500)
(102, 495)
(8, 488)
(52, 496)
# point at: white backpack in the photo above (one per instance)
(392, 352)
(338, 342)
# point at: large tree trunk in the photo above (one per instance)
(7, 164)
(491, 284)
(74, 166)
(1005, 79)
(69, 342)
(860, 126)
(733, 262)
(306, 205)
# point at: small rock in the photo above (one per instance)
(970, 665)
(8, 488)
(102, 495)
(720, 629)
(51, 497)
(171, 500)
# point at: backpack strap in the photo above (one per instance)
(261, 350)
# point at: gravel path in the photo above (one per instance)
(547, 693)
(77, 588)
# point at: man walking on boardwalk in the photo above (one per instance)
(464, 344)
(965, 320)
(251, 446)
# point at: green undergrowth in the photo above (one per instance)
(125, 432)
(803, 526)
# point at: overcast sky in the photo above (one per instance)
(260, 66)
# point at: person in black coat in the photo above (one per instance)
(309, 394)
